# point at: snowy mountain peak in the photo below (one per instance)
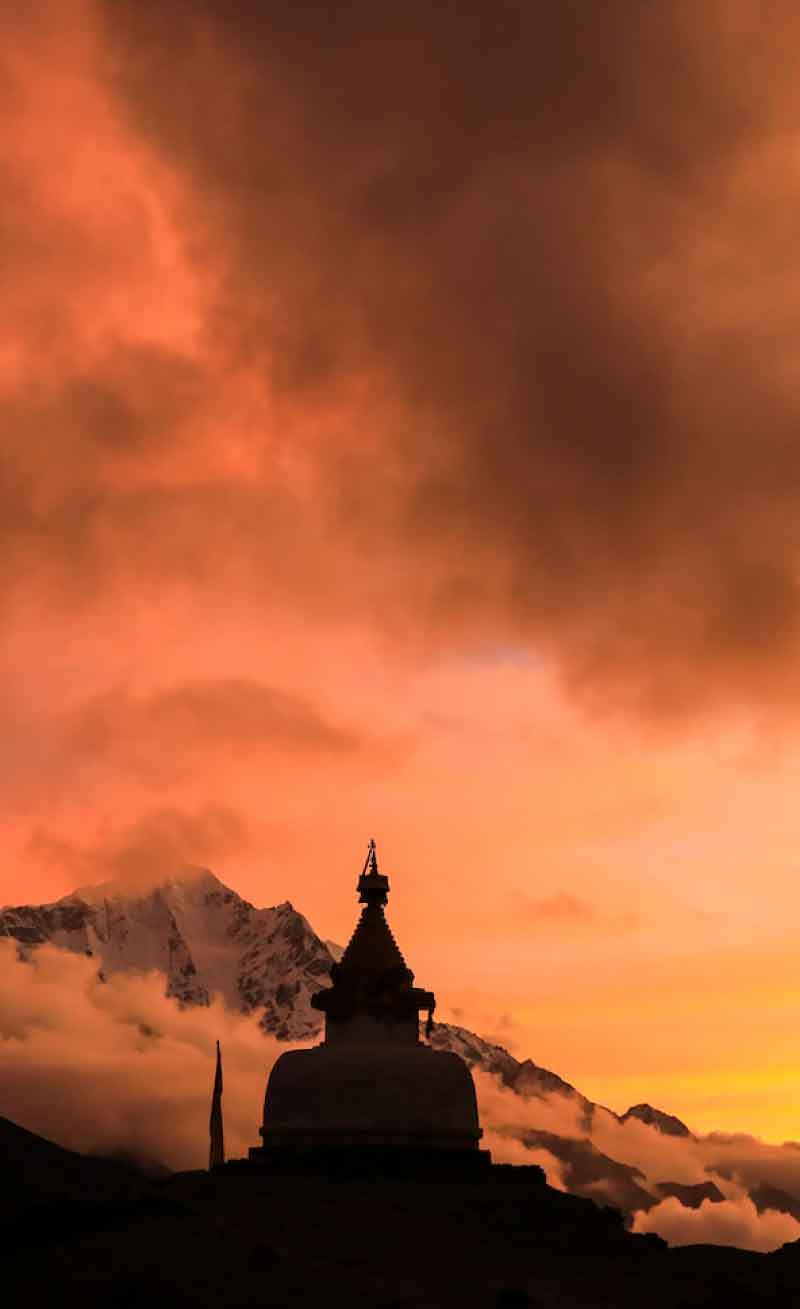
(191, 882)
(200, 934)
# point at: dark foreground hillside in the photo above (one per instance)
(96, 1233)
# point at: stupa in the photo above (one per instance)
(372, 1088)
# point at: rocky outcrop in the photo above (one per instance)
(666, 1123)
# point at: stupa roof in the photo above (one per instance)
(372, 950)
(372, 976)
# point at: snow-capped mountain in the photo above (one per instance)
(206, 939)
(201, 935)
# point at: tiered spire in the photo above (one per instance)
(372, 976)
(372, 951)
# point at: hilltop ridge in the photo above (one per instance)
(101, 1234)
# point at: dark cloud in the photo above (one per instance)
(524, 266)
(551, 239)
(209, 728)
(233, 714)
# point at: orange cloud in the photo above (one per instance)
(137, 857)
(101, 1067)
(565, 910)
(728, 1223)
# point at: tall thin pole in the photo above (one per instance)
(216, 1152)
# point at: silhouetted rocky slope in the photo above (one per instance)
(240, 1237)
(34, 1171)
(51, 1197)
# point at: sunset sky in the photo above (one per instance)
(400, 437)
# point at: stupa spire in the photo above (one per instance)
(373, 887)
(373, 994)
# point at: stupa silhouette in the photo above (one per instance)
(371, 1092)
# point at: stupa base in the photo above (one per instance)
(343, 1161)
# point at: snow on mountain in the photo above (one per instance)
(475, 1051)
(520, 1075)
(201, 935)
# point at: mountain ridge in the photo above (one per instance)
(206, 938)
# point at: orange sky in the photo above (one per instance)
(401, 440)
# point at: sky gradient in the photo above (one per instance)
(400, 425)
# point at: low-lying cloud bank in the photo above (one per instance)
(105, 1066)
(116, 1066)
(731, 1222)
(636, 1167)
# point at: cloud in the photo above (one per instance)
(336, 355)
(158, 845)
(168, 730)
(624, 1163)
(560, 907)
(564, 910)
(101, 1067)
(506, 1112)
(726, 1223)
(529, 250)
(185, 732)
(443, 307)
